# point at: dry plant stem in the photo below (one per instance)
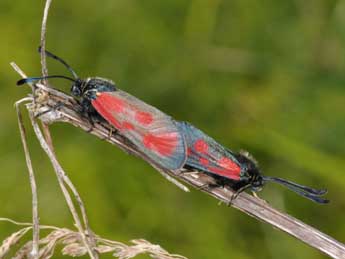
(27, 224)
(44, 65)
(43, 39)
(261, 210)
(81, 205)
(252, 206)
(61, 175)
(47, 135)
(35, 218)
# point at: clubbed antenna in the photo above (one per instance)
(32, 79)
(307, 192)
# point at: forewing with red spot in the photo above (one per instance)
(205, 154)
(152, 131)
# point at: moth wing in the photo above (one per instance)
(150, 130)
(205, 154)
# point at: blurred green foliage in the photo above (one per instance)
(265, 76)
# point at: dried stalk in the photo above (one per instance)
(250, 205)
(43, 39)
(61, 175)
(35, 218)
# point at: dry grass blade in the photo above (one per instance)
(12, 240)
(74, 246)
(74, 250)
(50, 242)
(35, 218)
(61, 175)
(142, 246)
(24, 251)
(43, 37)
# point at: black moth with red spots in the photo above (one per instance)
(236, 170)
(170, 144)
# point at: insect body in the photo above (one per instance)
(237, 170)
(169, 143)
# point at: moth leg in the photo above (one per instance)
(89, 113)
(196, 174)
(207, 186)
(234, 196)
(110, 133)
(92, 124)
(257, 196)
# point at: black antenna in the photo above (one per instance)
(307, 192)
(32, 79)
(51, 55)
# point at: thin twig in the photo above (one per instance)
(16, 222)
(43, 39)
(47, 135)
(250, 205)
(27, 224)
(18, 70)
(35, 218)
(60, 175)
(80, 203)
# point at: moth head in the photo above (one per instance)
(250, 170)
(77, 88)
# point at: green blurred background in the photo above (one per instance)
(264, 76)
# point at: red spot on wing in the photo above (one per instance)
(189, 151)
(227, 168)
(228, 164)
(143, 118)
(234, 175)
(111, 102)
(163, 143)
(104, 110)
(128, 125)
(201, 146)
(203, 161)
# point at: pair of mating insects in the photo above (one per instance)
(171, 144)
